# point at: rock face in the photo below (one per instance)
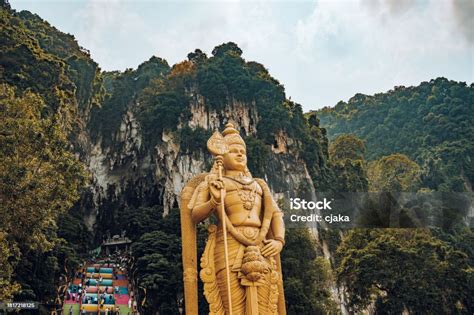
(142, 134)
(245, 116)
(127, 172)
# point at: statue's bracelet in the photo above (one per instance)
(281, 239)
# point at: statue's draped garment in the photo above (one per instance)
(247, 295)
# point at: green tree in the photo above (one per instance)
(197, 56)
(157, 250)
(346, 147)
(7, 261)
(159, 269)
(39, 177)
(346, 160)
(395, 172)
(229, 47)
(403, 269)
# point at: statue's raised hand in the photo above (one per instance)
(215, 187)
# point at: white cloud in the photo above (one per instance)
(107, 25)
(250, 25)
(388, 43)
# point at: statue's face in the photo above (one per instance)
(236, 158)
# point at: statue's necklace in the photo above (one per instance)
(244, 180)
(248, 192)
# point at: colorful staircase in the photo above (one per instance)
(99, 288)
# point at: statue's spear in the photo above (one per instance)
(218, 147)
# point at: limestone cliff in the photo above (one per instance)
(127, 172)
(148, 137)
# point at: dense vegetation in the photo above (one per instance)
(41, 58)
(404, 269)
(46, 80)
(432, 123)
(39, 181)
(373, 262)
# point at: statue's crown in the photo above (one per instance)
(232, 136)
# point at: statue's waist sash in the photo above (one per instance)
(235, 249)
(250, 232)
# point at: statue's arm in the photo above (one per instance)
(276, 243)
(204, 205)
(278, 226)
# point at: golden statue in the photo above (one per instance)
(240, 266)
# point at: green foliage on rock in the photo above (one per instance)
(315, 154)
(79, 67)
(306, 276)
(194, 140)
(224, 79)
(431, 123)
(122, 90)
(163, 114)
(346, 147)
(257, 155)
(36, 56)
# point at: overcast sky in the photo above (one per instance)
(321, 51)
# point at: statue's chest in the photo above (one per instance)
(245, 194)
